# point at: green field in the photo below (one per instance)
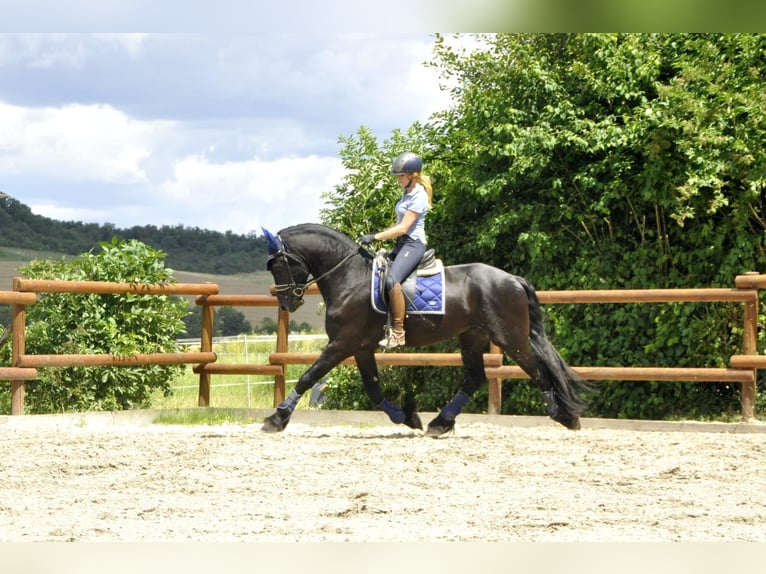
(239, 391)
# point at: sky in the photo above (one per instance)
(225, 116)
(220, 131)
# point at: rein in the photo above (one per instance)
(298, 290)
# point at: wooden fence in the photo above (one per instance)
(24, 367)
(742, 368)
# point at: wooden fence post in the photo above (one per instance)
(750, 347)
(495, 405)
(283, 328)
(206, 345)
(17, 350)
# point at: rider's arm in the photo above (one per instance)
(400, 228)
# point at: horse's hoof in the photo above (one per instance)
(413, 421)
(275, 423)
(572, 423)
(439, 426)
(411, 417)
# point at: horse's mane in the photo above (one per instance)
(316, 229)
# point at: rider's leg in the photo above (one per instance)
(397, 304)
(409, 252)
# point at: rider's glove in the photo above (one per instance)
(367, 238)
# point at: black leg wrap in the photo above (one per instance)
(277, 421)
(550, 402)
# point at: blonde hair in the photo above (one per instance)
(425, 181)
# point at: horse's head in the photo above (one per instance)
(314, 251)
(291, 276)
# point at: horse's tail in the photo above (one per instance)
(553, 370)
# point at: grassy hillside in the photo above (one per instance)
(185, 248)
(243, 284)
(230, 257)
(256, 284)
(20, 256)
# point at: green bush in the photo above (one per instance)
(596, 161)
(123, 325)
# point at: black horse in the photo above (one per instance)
(482, 304)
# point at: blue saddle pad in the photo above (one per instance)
(424, 295)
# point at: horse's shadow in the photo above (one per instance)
(395, 436)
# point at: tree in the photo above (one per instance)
(599, 161)
(227, 322)
(122, 325)
(191, 249)
(364, 200)
(621, 160)
(268, 326)
(232, 322)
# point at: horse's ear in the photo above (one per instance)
(273, 242)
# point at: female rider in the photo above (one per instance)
(410, 234)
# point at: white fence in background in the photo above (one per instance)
(253, 339)
(244, 340)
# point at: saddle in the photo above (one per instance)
(423, 289)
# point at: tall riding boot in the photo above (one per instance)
(395, 335)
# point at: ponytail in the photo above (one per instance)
(425, 181)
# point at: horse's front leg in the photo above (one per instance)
(328, 359)
(368, 369)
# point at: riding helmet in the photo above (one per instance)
(407, 162)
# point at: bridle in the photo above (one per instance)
(297, 290)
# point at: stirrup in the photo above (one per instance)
(392, 338)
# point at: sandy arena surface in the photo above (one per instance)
(89, 481)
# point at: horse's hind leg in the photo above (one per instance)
(520, 352)
(518, 329)
(472, 347)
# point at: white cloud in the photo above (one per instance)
(40, 50)
(75, 142)
(216, 132)
(133, 44)
(69, 213)
(249, 194)
(79, 144)
(67, 51)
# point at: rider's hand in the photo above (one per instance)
(367, 238)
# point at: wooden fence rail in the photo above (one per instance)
(108, 360)
(108, 288)
(746, 293)
(24, 367)
(742, 367)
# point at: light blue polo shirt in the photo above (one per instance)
(417, 201)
